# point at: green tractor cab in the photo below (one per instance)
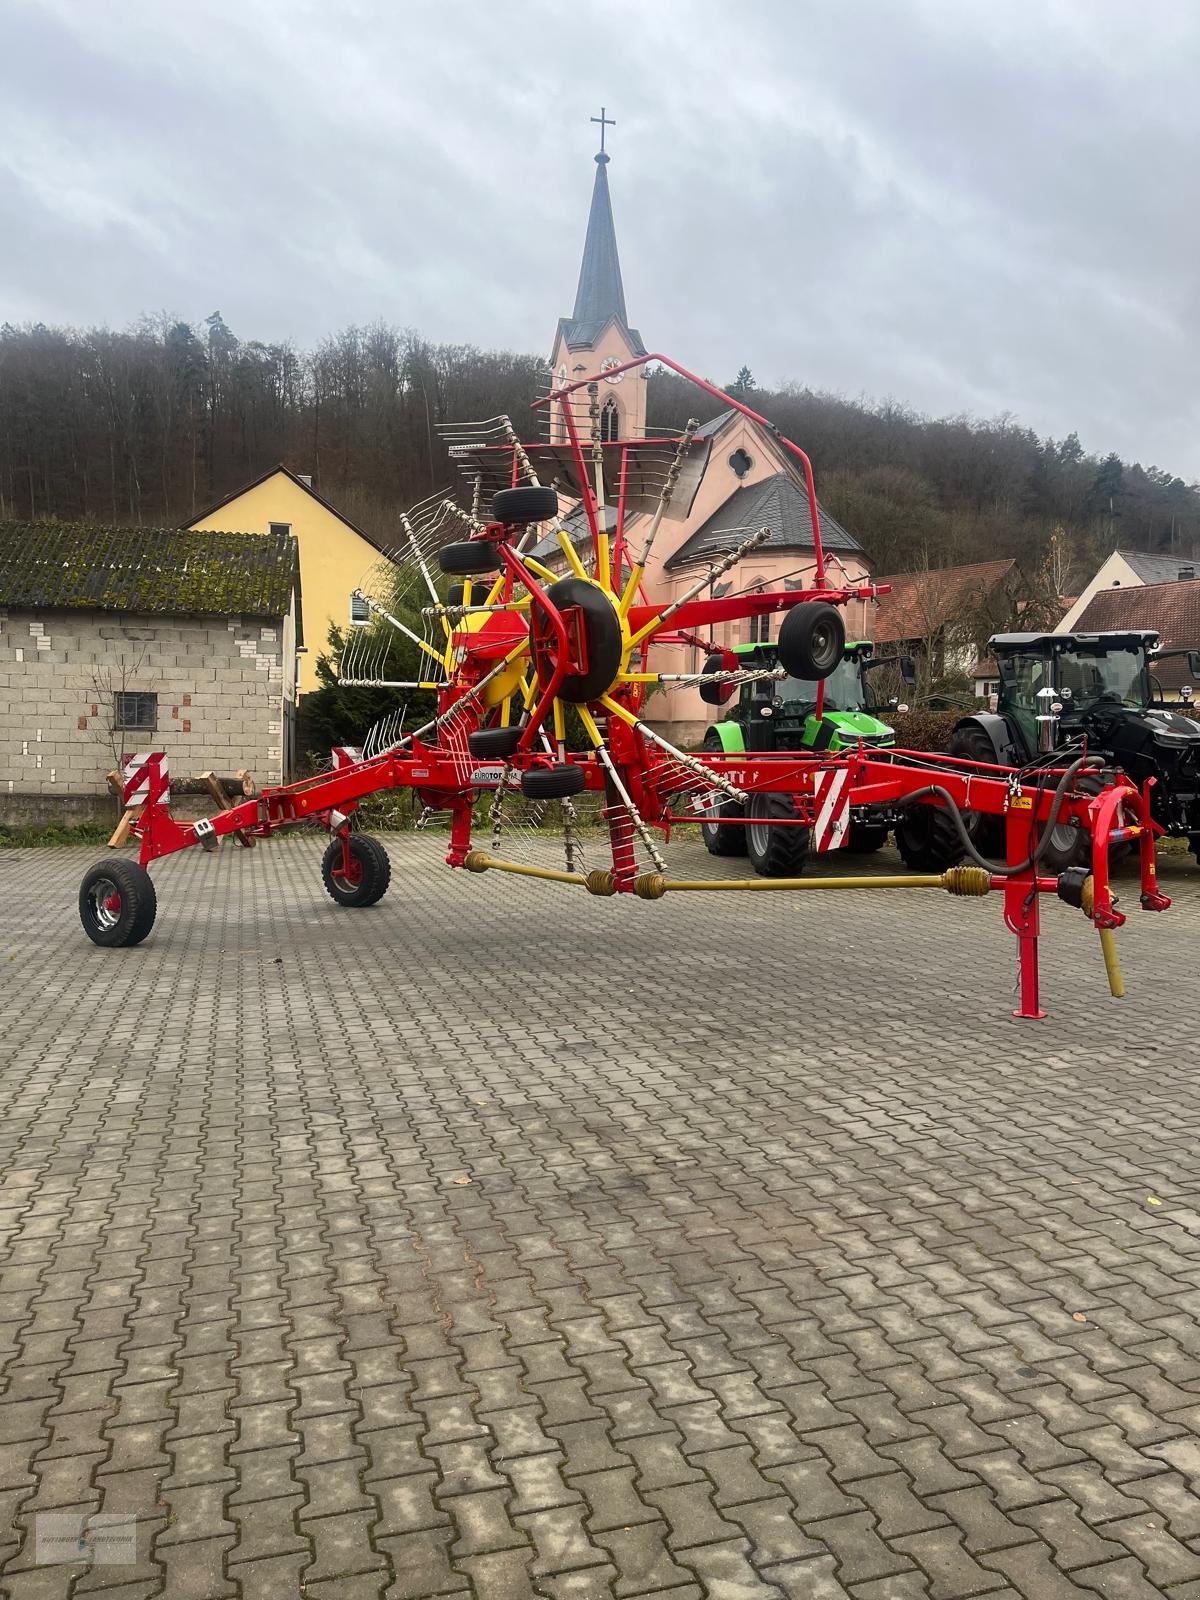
(780, 715)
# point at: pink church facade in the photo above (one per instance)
(748, 480)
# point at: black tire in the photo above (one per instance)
(602, 635)
(774, 852)
(552, 783)
(496, 743)
(530, 502)
(117, 903)
(1071, 846)
(715, 694)
(721, 839)
(987, 832)
(373, 876)
(866, 837)
(927, 839)
(1194, 846)
(469, 556)
(456, 594)
(812, 640)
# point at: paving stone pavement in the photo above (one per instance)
(499, 1242)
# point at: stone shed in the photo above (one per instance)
(119, 640)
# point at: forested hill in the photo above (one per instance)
(149, 425)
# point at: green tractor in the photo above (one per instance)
(780, 716)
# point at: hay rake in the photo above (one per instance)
(550, 627)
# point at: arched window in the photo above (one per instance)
(610, 421)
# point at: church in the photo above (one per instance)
(747, 482)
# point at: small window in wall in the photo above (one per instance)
(760, 630)
(135, 713)
(279, 527)
(740, 463)
(360, 611)
(610, 421)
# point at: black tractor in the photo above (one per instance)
(1058, 690)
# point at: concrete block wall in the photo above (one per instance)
(220, 688)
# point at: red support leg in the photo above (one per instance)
(460, 833)
(1021, 911)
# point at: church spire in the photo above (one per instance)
(600, 294)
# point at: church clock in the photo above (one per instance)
(606, 368)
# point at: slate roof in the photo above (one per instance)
(1159, 569)
(80, 567)
(778, 503)
(921, 602)
(1171, 609)
(600, 294)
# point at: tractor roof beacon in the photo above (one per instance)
(1060, 691)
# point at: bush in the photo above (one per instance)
(26, 835)
(924, 730)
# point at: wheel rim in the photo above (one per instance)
(1063, 837)
(758, 832)
(349, 877)
(105, 904)
(826, 649)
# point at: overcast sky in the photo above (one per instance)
(955, 204)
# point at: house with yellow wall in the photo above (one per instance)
(335, 555)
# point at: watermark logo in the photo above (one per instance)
(98, 1539)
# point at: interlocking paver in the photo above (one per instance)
(724, 1310)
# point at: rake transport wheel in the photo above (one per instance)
(498, 743)
(469, 557)
(117, 903)
(364, 878)
(528, 502)
(812, 639)
(774, 852)
(866, 837)
(552, 783)
(722, 838)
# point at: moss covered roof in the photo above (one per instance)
(81, 567)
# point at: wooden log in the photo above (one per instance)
(120, 834)
(220, 794)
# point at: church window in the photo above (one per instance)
(740, 463)
(760, 630)
(610, 421)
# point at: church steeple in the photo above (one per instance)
(600, 294)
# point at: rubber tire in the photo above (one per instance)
(376, 871)
(529, 502)
(602, 633)
(719, 838)
(1077, 851)
(469, 556)
(866, 837)
(456, 594)
(139, 903)
(1194, 846)
(927, 839)
(552, 783)
(716, 694)
(786, 849)
(987, 832)
(494, 743)
(812, 640)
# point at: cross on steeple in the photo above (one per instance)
(605, 122)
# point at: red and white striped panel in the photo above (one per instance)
(345, 755)
(831, 799)
(147, 780)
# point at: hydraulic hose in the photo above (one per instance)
(998, 869)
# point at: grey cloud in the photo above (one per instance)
(948, 204)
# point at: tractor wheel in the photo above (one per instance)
(987, 832)
(601, 632)
(721, 839)
(927, 839)
(469, 556)
(496, 743)
(1194, 846)
(866, 837)
(117, 903)
(812, 639)
(552, 783)
(529, 502)
(774, 852)
(368, 876)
